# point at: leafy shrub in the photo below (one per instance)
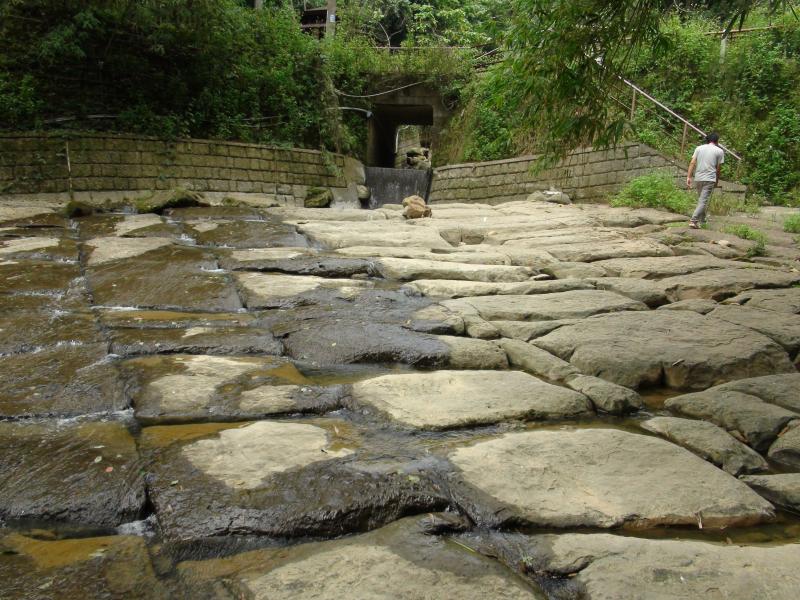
(655, 190)
(728, 204)
(792, 224)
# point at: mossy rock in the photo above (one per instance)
(76, 208)
(318, 197)
(161, 200)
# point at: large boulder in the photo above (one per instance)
(610, 478)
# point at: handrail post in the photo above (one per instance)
(633, 105)
(683, 139)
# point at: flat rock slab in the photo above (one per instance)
(282, 479)
(784, 301)
(601, 478)
(273, 290)
(679, 349)
(241, 233)
(181, 389)
(783, 489)
(294, 262)
(447, 288)
(77, 569)
(786, 449)
(487, 255)
(23, 331)
(781, 390)
(37, 277)
(169, 277)
(600, 566)
(408, 269)
(757, 423)
(544, 307)
(603, 250)
(39, 248)
(643, 290)
(660, 267)
(194, 340)
(782, 327)
(398, 560)
(87, 474)
(718, 284)
(397, 234)
(699, 305)
(63, 380)
(450, 399)
(606, 396)
(709, 442)
(109, 249)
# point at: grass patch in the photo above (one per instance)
(656, 190)
(792, 224)
(759, 247)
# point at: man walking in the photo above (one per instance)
(706, 164)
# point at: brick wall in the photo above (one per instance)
(92, 166)
(586, 175)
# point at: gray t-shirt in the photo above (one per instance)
(708, 157)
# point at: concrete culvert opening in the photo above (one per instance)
(382, 138)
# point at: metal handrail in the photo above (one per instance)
(686, 124)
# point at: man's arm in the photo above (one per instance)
(719, 172)
(690, 172)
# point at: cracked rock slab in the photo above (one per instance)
(782, 327)
(757, 423)
(274, 478)
(599, 566)
(680, 349)
(576, 304)
(786, 449)
(718, 284)
(451, 399)
(601, 478)
(784, 301)
(782, 489)
(408, 269)
(181, 389)
(169, 277)
(710, 442)
(398, 557)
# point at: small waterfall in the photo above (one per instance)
(390, 186)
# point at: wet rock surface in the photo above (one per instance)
(85, 474)
(196, 403)
(599, 566)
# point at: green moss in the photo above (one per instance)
(160, 201)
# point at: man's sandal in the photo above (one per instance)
(693, 225)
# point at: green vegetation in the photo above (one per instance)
(792, 224)
(759, 248)
(657, 190)
(217, 68)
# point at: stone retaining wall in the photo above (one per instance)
(100, 166)
(587, 175)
